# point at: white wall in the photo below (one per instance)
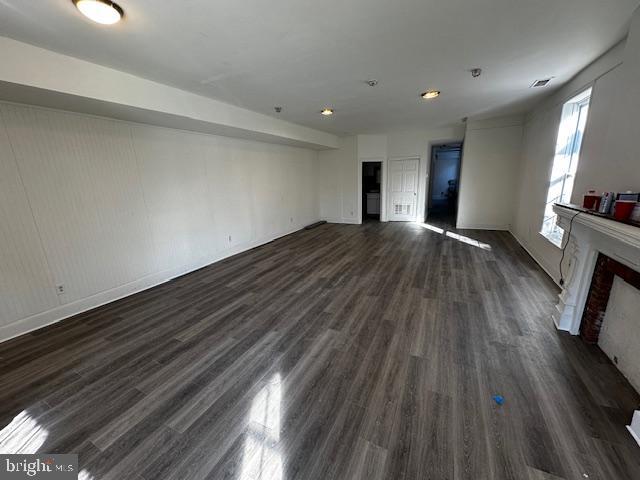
(489, 173)
(610, 160)
(594, 168)
(106, 208)
(538, 149)
(337, 182)
(339, 169)
(620, 334)
(372, 146)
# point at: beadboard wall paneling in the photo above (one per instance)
(228, 171)
(81, 179)
(281, 195)
(110, 207)
(25, 281)
(172, 170)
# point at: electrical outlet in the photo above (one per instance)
(291, 219)
(60, 289)
(229, 238)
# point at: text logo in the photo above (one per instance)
(41, 466)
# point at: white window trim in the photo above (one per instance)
(556, 234)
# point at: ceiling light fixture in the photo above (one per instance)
(429, 94)
(104, 12)
(326, 111)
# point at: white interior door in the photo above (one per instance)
(403, 189)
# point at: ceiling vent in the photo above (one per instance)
(540, 83)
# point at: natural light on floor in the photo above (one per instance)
(456, 236)
(431, 227)
(468, 240)
(23, 435)
(262, 459)
(84, 475)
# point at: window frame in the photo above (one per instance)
(576, 110)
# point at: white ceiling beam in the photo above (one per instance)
(37, 76)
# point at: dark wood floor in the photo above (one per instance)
(346, 352)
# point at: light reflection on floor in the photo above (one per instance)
(262, 459)
(23, 435)
(433, 228)
(456, 236)
(468, 241)
(84, 475)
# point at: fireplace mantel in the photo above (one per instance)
(590, 235)
(623, 232)
(593, 237)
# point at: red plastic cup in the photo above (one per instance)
(623, 209)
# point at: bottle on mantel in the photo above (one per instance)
(591, 200)
(606, 202)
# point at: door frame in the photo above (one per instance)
(419, 159)
(383, 186)
(429, 183)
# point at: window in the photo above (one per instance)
(565, 162)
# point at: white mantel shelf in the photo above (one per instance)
(590, 235)
(629, 234)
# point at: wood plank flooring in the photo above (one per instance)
(342, 352)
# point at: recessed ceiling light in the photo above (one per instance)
(327, 111)
(100, 11)
(429, 94)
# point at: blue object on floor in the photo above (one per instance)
(499, 399)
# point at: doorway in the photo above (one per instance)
(371, 192)
(444, 181)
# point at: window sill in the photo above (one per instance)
(553, 239)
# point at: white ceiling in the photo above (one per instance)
(307, 54)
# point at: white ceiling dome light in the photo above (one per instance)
(430, 94)
(104, 12)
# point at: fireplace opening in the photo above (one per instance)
(604, 274)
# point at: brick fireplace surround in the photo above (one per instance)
(605, 271)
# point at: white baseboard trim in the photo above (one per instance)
(349, 221)
(636, 436)
(634, 428)
(480, 226)
(331, 220)
(535, 257)
(59, 313)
